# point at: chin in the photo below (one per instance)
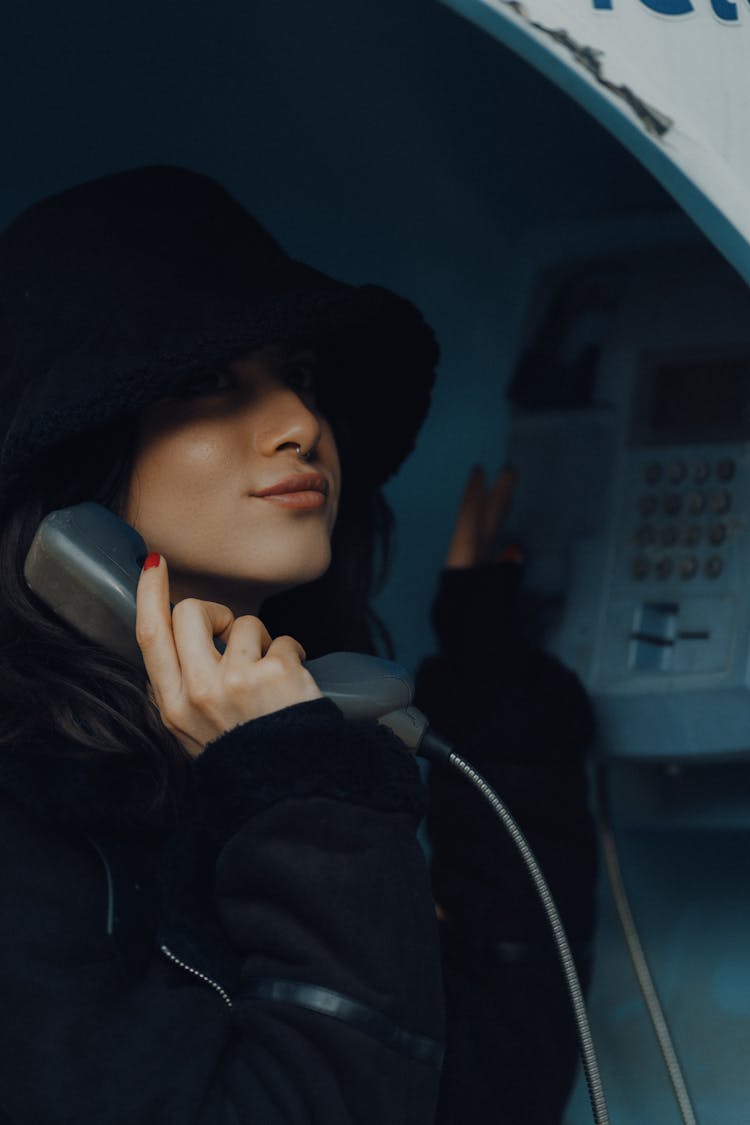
(284, 577)
(301, 578)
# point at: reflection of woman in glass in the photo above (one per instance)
(216, 907)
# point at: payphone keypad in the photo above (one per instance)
(680, 526)
(675, 599)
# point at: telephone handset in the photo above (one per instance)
(84, 564)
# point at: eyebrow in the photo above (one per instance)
(302, 352)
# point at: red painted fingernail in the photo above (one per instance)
(153, 560)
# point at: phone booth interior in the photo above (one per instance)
(629, 414)
(396, 143)
(629, 427)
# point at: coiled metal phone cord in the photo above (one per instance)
(586, 1045)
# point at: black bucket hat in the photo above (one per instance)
(114, 291)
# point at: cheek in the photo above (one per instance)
(174, 471)
(336, 494)
(330, 453)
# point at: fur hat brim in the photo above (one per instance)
(113, 292)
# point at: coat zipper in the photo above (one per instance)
(167, 952)
(196, 973)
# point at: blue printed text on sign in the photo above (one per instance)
(726, 10)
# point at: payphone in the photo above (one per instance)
(630, 431)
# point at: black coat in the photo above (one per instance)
(266, 949)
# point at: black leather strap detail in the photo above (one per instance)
(335, 1004)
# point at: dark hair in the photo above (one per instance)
(54, 681)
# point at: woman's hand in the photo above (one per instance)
(480, 520)
(201, 694)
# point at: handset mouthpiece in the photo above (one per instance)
(369, 687)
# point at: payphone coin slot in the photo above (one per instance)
(658, 641)
(653, 636)
(667, 638)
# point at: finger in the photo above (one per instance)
(153, 628)
(195, 623)
(248, 641)
(496, 508)
(290, 653)
(286, 648)
(463, 547)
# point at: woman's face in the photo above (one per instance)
(205, 461)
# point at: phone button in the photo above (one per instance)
(720, 501)
(696, 502)
(713, 567)
(688, 567)
(664, 567)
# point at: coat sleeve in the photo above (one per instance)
(525, 722)
(301, 856)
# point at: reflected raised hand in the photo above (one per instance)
(476, 538)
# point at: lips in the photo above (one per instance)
(300, 490)
(297, 482)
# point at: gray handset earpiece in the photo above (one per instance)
(84, 564)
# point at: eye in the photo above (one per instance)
(301, 376)
(206, 382)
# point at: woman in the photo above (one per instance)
(218, 910)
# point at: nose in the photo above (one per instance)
(285, 420)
